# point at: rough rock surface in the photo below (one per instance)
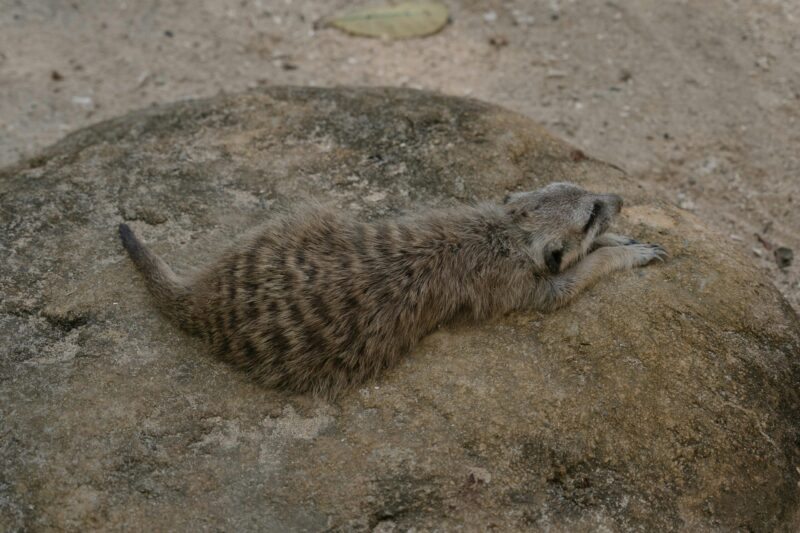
(665, 398)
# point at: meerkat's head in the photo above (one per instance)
(558, 223)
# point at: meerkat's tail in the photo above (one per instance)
(171, 295)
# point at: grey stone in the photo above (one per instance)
(784, 256)
(662, 399)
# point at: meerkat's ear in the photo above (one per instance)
(514, 207)
(513, 196)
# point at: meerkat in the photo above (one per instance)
(317, 301)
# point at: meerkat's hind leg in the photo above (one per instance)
(565, 286)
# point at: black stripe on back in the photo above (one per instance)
(250, 351)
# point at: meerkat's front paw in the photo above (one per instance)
(642, 253)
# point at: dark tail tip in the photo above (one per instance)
(129, 241)
(127, 236)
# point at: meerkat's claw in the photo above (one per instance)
(660, 249)
(646, 253)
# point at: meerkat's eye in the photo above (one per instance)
(518, 212)
(553, 260)
(593, 216)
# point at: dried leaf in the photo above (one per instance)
(399, 21)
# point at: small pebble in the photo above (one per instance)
(477, 476)
(784, 256)
(498, 41)
(685, 203)
(521, 18)
(375, 197)
(83, 101)
(490, 16)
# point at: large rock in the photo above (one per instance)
(664, 398)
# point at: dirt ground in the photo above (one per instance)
(700, 101)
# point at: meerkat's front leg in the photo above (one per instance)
(611, 239)
(610, 258)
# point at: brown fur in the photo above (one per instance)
(317, 301)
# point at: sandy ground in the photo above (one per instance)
(698, 100)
